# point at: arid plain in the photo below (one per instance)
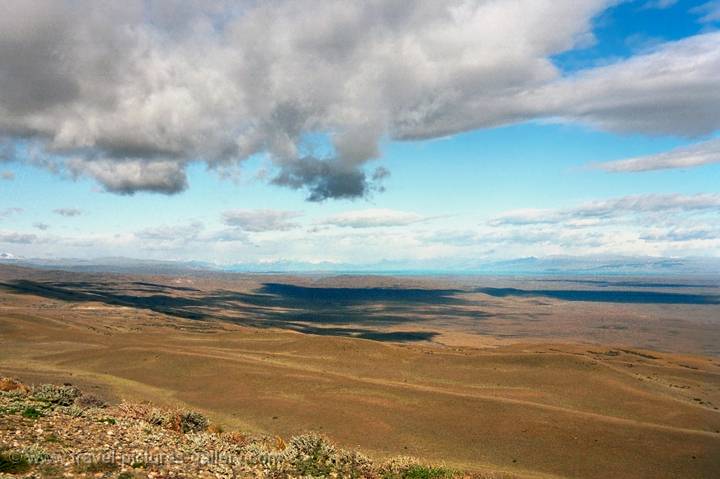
(519, 377)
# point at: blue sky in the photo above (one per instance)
(529, 146)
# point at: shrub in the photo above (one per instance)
(61, 395)
(310, 454)
(188, 421)
(35, 454)
(408, 468)
(177, 420)
(20, 461)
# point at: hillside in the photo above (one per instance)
(52, 431)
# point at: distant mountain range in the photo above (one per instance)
(600, 265)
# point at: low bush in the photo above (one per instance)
(64, 395)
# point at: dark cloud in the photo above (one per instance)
(323, 179)
(41, 226)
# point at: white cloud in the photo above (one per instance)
(177, 233)
(669, 91)
(372, 218)
(698, 154)
(709, 11)
(17, 238)
(588, 213)
(261, 220)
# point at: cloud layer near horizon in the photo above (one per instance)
(131, 93)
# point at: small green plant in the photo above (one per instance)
(107, 420)
(31, 413)
(409, 468)
(426, 472)
(125, 475)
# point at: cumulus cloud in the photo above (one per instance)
(68, 212)
(698, 154)
(41, 226)
(373, 218)
(126, 176)
(130, 93)
(261, 220)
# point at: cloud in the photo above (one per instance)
(669, 91)
(177, 233)
(127, 176)
(68, 212)
(709, 12)
(7, 175)
(261, 220)
(143, 89)
(698, 154)
(17, 238)
(41, 226)
(229, 235)
(10, 211)
(373, 218)
(587, 214)
(683, 233)
(659, 4)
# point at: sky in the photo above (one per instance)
(359, 132)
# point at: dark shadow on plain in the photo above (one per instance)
(276, 305)
(613, 296)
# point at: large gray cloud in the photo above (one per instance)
(129, 93)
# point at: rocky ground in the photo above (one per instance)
(53, 431)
